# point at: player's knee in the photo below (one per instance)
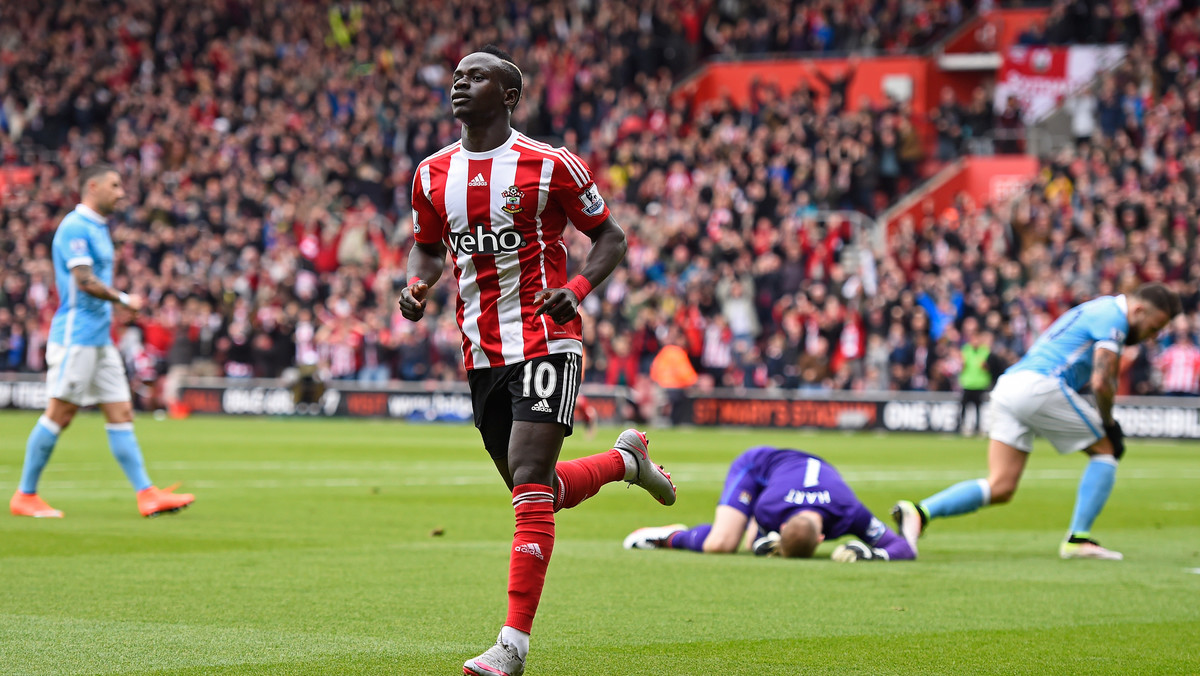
(1003, 492)
(61, 418)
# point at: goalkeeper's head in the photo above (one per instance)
(800, 535)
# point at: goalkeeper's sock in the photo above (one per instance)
(961, 498)
(897, 548)
(690, 539)
(1095, 486)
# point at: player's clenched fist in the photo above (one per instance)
(412, 300)
(561, 304)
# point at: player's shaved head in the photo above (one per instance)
(800, 535)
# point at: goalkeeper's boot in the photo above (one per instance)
(910, 521)
(651, 537)
(1083, 547)
(153, 501)
(29, 504)
(649, 476)
(501, 659)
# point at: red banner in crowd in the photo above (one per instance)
(1040, 77)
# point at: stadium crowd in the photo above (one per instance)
(268, 150)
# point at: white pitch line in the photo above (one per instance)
(690, 471)
(1193, 571)
(399, 479)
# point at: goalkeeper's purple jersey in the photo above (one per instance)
(772, 484)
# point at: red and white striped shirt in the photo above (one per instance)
(1180, 366)
(502, 214)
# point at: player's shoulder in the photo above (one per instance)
(559, 155)
(72, 225)
(1104, 307)
(441, 155)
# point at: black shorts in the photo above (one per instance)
(542, 390)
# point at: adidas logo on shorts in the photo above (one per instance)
(478, 182)
(542, 407)
(531, 548)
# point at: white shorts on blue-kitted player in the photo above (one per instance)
(86, 374)
(1025, 403)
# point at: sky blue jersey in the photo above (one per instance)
(1065, 349)
(82, 319)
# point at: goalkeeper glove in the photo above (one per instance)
(855, 550)
(1116, 437)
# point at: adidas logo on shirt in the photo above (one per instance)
(478, 182)
(542, 407)
(531, 548)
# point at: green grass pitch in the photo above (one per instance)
(310, 551)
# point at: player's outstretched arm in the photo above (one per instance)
(608, 248)
(425, 263)
(86, 279)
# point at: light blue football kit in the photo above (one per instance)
(1040, 395)
(83, 365)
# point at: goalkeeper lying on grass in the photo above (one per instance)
(783, 502)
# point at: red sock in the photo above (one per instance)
(532, 545)
(582, 478)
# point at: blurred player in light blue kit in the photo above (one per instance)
(1040, 395)
(84, 367)
(783, 502)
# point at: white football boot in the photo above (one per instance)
(651, 537)
(499, 660)
(649, 476)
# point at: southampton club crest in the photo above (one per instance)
(512, 200)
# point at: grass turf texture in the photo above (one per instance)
(309, 551)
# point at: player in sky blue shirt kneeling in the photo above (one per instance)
(1040, 394)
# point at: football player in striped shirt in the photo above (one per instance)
(498, 202)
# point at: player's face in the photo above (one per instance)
(1147, 322)
(107, 192)
(476, 92)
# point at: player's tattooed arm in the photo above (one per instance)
(1104, 382)
(89, 283)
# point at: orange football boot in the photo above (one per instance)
(152, 501)
(29, 504)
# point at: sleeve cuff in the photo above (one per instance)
(79, 260)
(1110, 345)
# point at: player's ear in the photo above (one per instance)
(511, 97)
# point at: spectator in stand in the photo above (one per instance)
(672, 371)
(948, 119)
(975, 378)
(1010, 132)
(1179, 363)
